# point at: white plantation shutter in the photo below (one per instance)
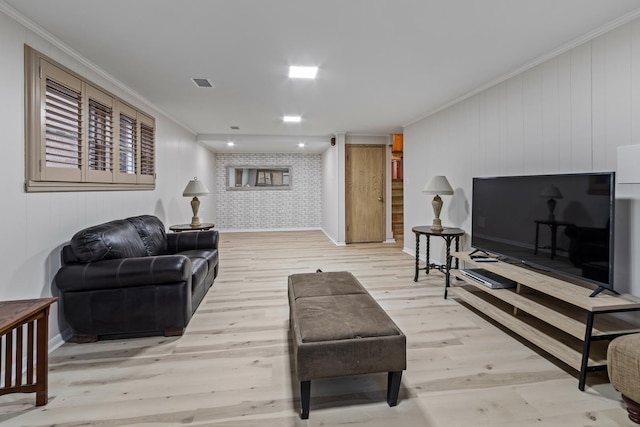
(128, 132)
(147, 150)
(62, 127)
(100, 137)
(100, 150)
(78, 137)
(127, 143)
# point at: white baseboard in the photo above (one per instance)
(332, 239)
(261, 230)
(57, 341)
(435, 262)
(422, 258)
(409, 251)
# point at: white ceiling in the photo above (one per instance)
(383, 63)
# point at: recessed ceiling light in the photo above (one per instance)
(292, 119)
(301, 144)
(296, 72)
(230, 144)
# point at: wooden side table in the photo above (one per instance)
(188, 227)
(448, 234)
(15, 317)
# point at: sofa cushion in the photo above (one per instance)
(323, 284)
(199, 270)
(344, 317)
(111, 240)
(209, 255)
(151, 231)
(200, 264)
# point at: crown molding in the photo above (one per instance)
(591, 35)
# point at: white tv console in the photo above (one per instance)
(555, 315)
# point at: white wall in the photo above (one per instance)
(36, 225)
(331, 202)
(297, 208)
(568, 114)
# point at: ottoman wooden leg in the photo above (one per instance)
(633, 408)
(393, 387)
(177, 332)
(305, 394)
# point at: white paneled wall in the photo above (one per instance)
(37, 225)
(568, 114)
(331, 202)
(297, 208)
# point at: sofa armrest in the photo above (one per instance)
(125, 272)
(190, 240)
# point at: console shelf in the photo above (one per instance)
(558, 316)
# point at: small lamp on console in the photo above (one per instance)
(194, 189)
(552, 193)
(437, 185)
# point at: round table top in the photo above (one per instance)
(446, 231)
(189, 227)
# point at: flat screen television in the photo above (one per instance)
(562, 224)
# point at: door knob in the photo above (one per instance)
(380, 199)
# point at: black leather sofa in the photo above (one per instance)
(129, 277)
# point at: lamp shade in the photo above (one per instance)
(438, 184)
(551, 192)
(195, 188)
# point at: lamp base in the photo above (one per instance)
(551, 204)
(436, 203)
(195, 205)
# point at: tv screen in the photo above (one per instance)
(558, 223)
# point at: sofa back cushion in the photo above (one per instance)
(111, 240)
(151, 231)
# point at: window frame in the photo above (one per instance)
(41, 176)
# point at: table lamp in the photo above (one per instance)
(195, 188)
(437, 185)
(552, 193)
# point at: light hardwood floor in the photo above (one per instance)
(232, 365)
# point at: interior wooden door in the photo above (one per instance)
(364, 193)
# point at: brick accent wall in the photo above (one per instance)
(297, 208)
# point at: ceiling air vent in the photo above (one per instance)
(202, 82)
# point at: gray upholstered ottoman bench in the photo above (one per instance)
(338, 329)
